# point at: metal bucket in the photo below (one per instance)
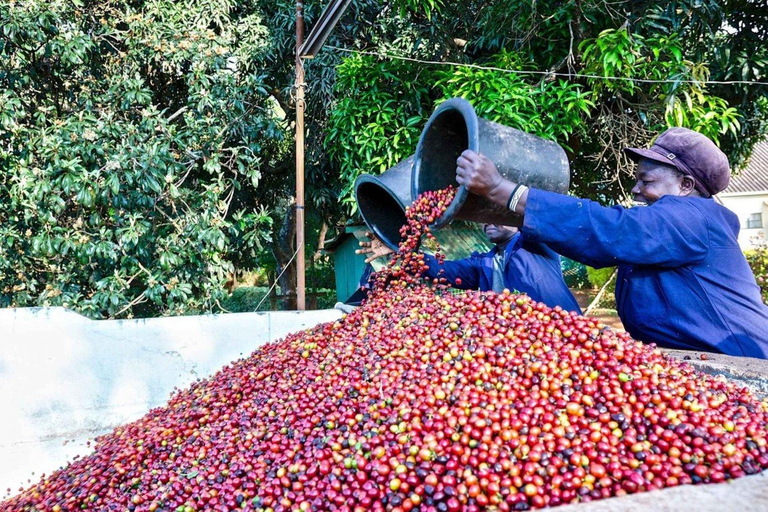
(519, 157)
(382, 201)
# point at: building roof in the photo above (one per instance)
(331, 245)
(755, 177)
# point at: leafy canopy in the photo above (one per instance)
(126, 132)
(594, 76)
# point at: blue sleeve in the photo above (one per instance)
(536, 247)
(365, 279)
(467, 269)
(670, 233)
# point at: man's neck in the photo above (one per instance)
(503, 245)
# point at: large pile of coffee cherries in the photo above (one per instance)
(424, 400)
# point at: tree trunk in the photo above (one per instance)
(320, 243)
(283, 248)
(231, 282)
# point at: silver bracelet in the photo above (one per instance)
(516, 197)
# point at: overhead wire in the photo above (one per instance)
(544, 73)
(285, 267)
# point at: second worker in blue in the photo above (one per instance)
(515, 262)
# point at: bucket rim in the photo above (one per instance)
(468, 114)
(370, 179)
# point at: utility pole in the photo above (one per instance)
(300, 263)
(317, 36)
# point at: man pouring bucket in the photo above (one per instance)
(683, 281)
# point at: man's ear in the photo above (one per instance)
(687, 185)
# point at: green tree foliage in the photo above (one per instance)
(146, 146)
(361, 137)
(641, 66)
(758, 262)
(126, 131)
(551, 109)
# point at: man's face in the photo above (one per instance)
(498, 233)
(655, 180)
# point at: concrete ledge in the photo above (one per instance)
(65, 379)
(747, 494)
(747, 371)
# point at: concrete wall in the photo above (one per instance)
(743, 205)
(747, 494)
(65, 379)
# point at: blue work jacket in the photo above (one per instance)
(683, 281)
(531, 268)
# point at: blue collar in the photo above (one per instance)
(512, 245)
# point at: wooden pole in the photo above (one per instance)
(300, 274)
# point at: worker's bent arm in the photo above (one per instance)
(670, 233)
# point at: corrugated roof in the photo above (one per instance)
(348, 230)
(755, 177)
(331, 245)
(458, 240)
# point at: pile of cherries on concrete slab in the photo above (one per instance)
(423, 399)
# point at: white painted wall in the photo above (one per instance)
(65, 379)
(743, 205)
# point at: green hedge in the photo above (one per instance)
(758, 262)
(246, 299)
(597, 278)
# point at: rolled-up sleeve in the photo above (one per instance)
(669, 233)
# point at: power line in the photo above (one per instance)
(279, 276)
(546, 73)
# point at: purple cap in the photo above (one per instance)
(691, 153)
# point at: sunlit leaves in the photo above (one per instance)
(126, 130)
(378, 118)
(383, 106)
(654, 68)
(552, 109)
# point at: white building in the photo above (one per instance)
(747, 197)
